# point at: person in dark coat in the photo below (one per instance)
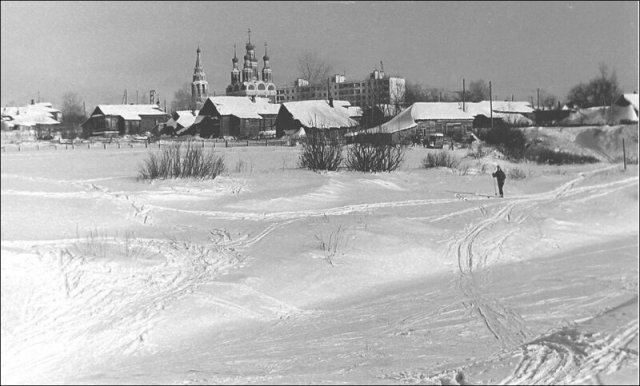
(500, 176)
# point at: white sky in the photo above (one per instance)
(99, 49)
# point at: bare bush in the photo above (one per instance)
(478, 152)
(440, 159)
(98, 244)
(543, 155)
(516, 174)
(321, 152)
(176, 162)
(463, 169)
(365, 157)
(331, 243)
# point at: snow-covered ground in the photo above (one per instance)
(275, 274)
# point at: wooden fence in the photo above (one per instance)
(104, 145)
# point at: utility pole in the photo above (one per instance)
(624, 155)
(136, 96)
(538, 99)
(511, 97)
(463, 91)
(491, 105)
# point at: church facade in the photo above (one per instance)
(248, 82)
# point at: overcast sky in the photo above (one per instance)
(99, 49)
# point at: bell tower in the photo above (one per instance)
(199, 85)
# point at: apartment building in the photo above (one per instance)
(378, 89)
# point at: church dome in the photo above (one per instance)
(250, 46)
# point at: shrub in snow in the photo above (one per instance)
(175, 161)
(545, 155)
(321, 152)
(516, 174)
(366, 157)
(480, 151)
(510, 141)
(97, 244)
(331, 243)
(442, 158)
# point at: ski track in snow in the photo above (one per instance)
(563, 356)
(547, 360)
(569, 356)
(107, 307)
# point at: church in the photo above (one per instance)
(248, 81)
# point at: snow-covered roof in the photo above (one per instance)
(264, 106)
(339, 102)
(318, 114)
(422, 111)
(601, 115)
(129, 112)
(354, 111)
(519, 107)
(185, 118)
(631, 99)
(30, 115)
(511, 107)
(239, 106)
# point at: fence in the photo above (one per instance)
(104, 145)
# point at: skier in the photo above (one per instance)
(500, 176)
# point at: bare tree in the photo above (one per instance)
(313, 68)
(397, 94)
(478, 91)
(416, 92)
(182, 98)
(600, 91)
(547, 100)
(72, 109)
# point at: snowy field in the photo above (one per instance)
(275, 274)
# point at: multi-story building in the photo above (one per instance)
(247, 82)
(378, 89)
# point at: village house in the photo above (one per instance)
(314, 116)
(114, 120)
(179, 122)
(422, 119)
(30, 122)
(625, 108)
(512, 113)
(234, 116)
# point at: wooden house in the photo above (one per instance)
(239, 117)
(422, 119)
(315, 116)
(124, 119)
